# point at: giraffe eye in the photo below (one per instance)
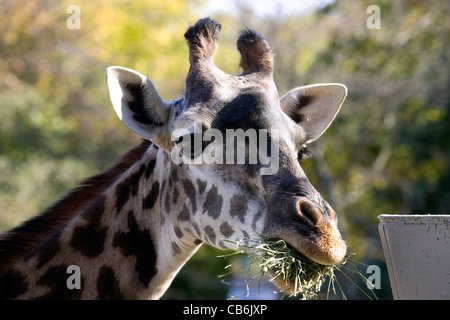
(191, 145)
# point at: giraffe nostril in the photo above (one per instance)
(309, 211)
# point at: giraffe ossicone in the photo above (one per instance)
(219, 163)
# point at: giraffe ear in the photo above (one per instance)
(136, 101)
(314, 107)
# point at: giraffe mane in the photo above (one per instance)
(19, 241)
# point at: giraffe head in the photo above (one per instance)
(233, 147)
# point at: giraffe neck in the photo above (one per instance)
(122, 244)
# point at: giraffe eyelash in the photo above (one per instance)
(304, 153)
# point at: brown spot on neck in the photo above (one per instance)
(213, 203)
(128, 188)
(138, 243)
(89, 239)
(107, 285)
(149, 201)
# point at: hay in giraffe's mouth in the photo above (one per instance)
(292, 272)
(289, 270)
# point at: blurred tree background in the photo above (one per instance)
(388, 151)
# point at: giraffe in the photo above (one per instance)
(130, 229)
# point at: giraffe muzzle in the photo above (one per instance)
(311, 228)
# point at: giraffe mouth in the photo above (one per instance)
(324, 254)
(327, 248)
(324, 246)
(300, 270)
